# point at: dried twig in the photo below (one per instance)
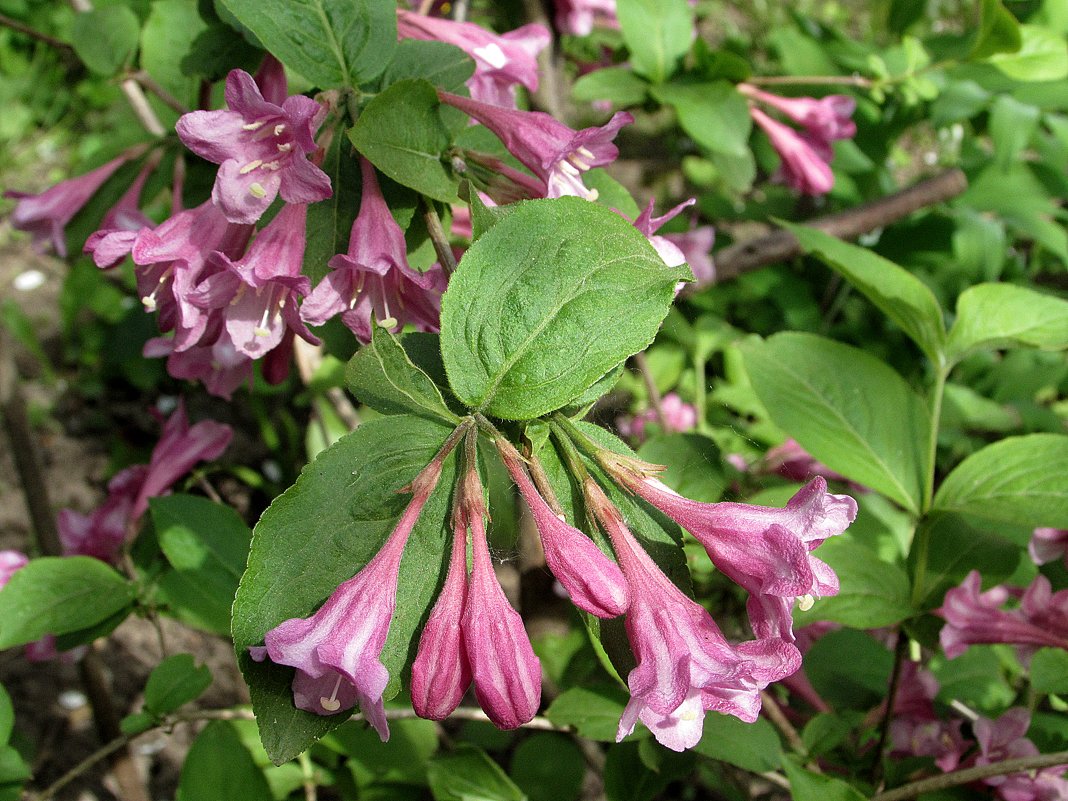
(959, 777)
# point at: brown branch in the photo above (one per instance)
(778, 246)
(438, 237)
(901, 648)
(773, 712)
(858, 81)
(25, 29)
(152, 85)
(959, 777)
(654, 392)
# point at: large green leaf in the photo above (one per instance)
(657, 32)
(330, 220)
(848, 409)
(751, 746)
(548, 301)
(1006, 316)
(999, 32)
(169, 33)
(1019, 480)
(468, 774)
(444, 65)
(401, 133)
(593, 712)
(219, 766)
(694, 465)
(104, 38)
(175, 681)
(332, 43)
(1042, 56)
(808, 786)
(322, 531)
(382, 376)
(714, 114)
(901, 296)
(58, 595)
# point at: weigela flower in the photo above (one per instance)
(10, 562)
(974, 617)
(679, 416)
(219, 366)
(1005, 738)
(1048, 545)
(122, 223)
(337, 650)
(916, 729)
(695, 246)
(555, 153)
(261, 149)
(44, 216)
(685, 665)
(257, 295)
(577, 17)
(101, 533)
(501, 61)
(373, 282)
(649, 225)
(826, 118)
(805, 161)
(592, 580)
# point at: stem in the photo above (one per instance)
(700, 392)
(959, 777)
(438, 237)
(135, 95)
(153, 86)
(900, 652)
(22, 28)
(655, 400)
(812, 80)
(307, 770)
(937, 392)
(774, 713)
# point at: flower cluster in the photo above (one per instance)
(685, 665)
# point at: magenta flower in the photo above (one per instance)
(501, 61)
(10, 563)
(805, 161)
(257, 295)
(649, 225)
(373, 282)
(44, 216)
(102, 533)
(973, 617)
(506, 672)
(1048, 545)
(337, 650)
(261, 148)
(915, 729)
(592, 580)
(119, 229)
(1005, 738)
(440, 672)
(679, 416)
(577, 17)
(826, 118)
(555, 153)
(685, 666)
(219, 366)
(766, 551)
(696, 248)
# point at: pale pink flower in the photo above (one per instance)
(1048, 545)
(695, 246)
(261, 148)
(578, 17)
(119, 229)
(219, 366)
(10, 563)
(805, 161)
(1005, 738)
(679, 416)
(826, 118)
(915, 728)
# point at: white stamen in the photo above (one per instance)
(805, 602)
(279, 128)
(331, 704)
(272, 166)
(582, 165)
(568, 168)
(285, 148)
(592, 194)
(388, 322)
(250, 166)
(257, 190)
(261, 330)
(149, 302)
(586, 153)
(253, 126)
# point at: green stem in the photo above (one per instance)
(937, 391)
(700, 393)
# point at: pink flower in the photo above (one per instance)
(577, 17)
(826, 118)
(10, 563)
(973, 617)
(122, 223)
(1003, 739)
(337, 651)
(592, 580)
(501, 61)
(220, 367)
(102, 533)
(696, 248)
(679, 416)
(791, 461)
(256, 296)
(685, 666)
(805, 161)
(261, 148)
(441, 673)
(915, 729)
(766, 551)
(44, 216)
(649, 225)
(1048, 544)
(555, 153)
(373, 282)
(506, 672)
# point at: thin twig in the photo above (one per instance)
(153, 86)
(23, 28)
(900, 652)
(438, 237)
(959, 777)
(459, 10)
(135, 95)
(307, 770)
(101, 753)
(655, 401)
(779, 246)
(774, 713)
(812, 80)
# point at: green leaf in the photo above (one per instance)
(57, 595)
(549, 767)
(403, 759)
(207, 545)
(874, 593)
(137, 723)
(808, 786)
(1049, 671)
(444, 65)
(901, 296)
(658, 33)
(322, 531)
(13, 771)
(1042, 56)
(330, 220)
(849, 668)
(1012, 124)
(641, 771)
(332, 43)
(1019, 480)
(382, 376)
(1006, 316)
(169, 33)
(402, 134)
(7, 716)
(999, 32)
(849, 410)
(593, 712)
(750, 746)
(694, 465)
(219, 766)
(105, 38)
(468, 774)
(216, 50)
(714, 114)
(618, 85)
(532, 316)
(175, 681)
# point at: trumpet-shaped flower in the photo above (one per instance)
(1047, 545)
(501, 61)
(373, 282)
(555, 153)
(261, 149)
(577, 17)
(1005, 738)
(121, 225)
(679, 416)
(825, 118)
(805, 160)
